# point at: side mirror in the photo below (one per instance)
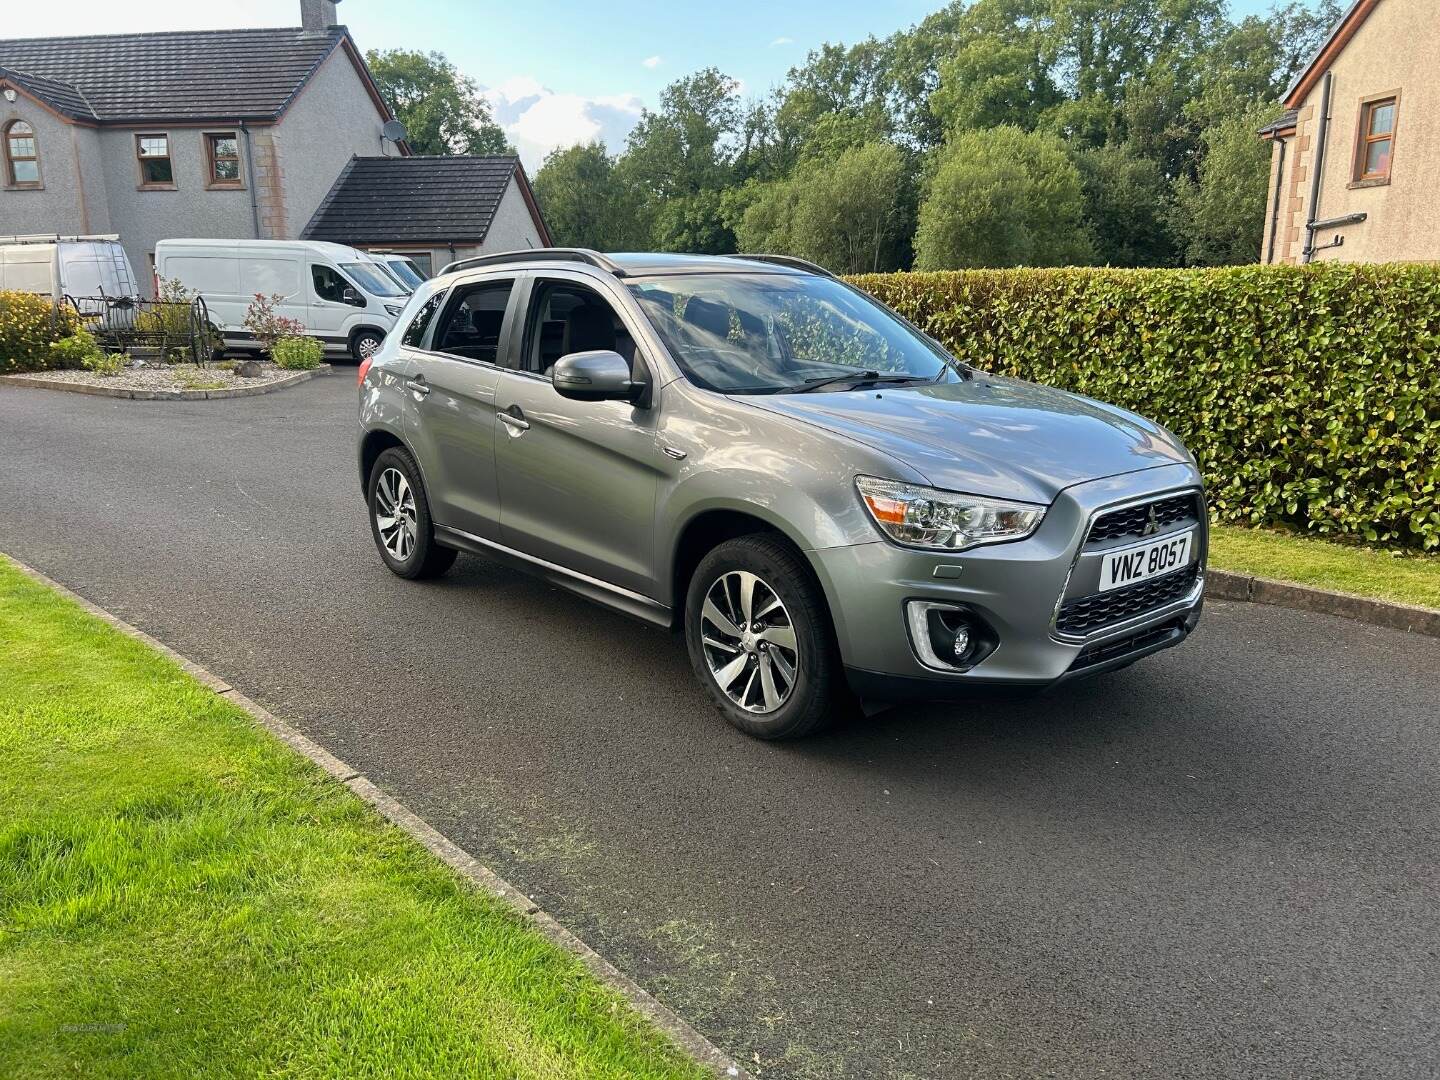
(350, 296)
(597, 375)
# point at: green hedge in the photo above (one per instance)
(29, 325)
(1310, 396)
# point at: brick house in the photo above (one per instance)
(225, 134)
(1354, 155)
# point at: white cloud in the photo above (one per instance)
(538, 120)
(782, 41)
(651, 62)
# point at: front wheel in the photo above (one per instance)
(759, 638)
(400, 518)
(365, 344)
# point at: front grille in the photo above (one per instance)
(1095, 612)
(1104, 651)
(1131, 522)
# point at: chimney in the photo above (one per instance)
(317, 16)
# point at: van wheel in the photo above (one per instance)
(365, 343)
(760, 642)
(400, 518)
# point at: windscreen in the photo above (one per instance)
(372, 279)
(402, 270)
(775, 333)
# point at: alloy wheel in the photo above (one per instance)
(749, 642)
(395, 513)
(367, 346)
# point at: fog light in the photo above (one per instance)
(961, 645)
(947, 637)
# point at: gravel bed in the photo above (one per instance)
(168, 377)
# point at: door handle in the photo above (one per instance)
(515, 423)
(417, 386)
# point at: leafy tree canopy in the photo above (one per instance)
(441, 109)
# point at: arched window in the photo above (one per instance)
(22, 160)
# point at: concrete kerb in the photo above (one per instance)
(293, 379)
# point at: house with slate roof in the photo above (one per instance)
(225, 134)
(433, 209)
(1353, 157)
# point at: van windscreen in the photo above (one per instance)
(372, 279)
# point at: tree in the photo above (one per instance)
(441, 109)
(1003, 197)
(849, 215)
(586, 204)
(682, 157)
(1127, 205)
(1219, 216)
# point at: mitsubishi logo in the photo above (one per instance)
(1152, 524)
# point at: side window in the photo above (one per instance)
(567, 318)
(330, 285)
(415, 332)
(472, 321)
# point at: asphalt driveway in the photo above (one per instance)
(1224, 861)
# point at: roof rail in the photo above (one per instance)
(785, 260)
(582, 255)
(51, 238)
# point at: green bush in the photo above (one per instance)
(103, 363)
(29, 325)
(1310, 396)
(297, 353)
(75, 351)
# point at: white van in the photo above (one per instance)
(336, 292)
(76, 266)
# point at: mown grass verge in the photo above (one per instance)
(1405, 579)
(181, 895)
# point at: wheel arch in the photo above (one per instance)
(374, 443)
(711, 526)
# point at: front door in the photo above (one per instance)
(577, 478)
(451, 408)
(329, 310)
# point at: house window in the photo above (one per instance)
(222, 159)
(1377, 139)
(154, 154)
(22, 160)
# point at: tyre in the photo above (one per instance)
(760, 639)
(365, 343)
(400, 518)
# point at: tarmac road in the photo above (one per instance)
(1221, 862)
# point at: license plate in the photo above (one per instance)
(1134, 564)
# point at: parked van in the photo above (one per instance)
(337, 293)
(402, 266)
(76, 266)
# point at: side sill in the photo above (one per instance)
(601, 592)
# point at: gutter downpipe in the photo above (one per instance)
(1317, 167)
(250, 180)
(1279, 197)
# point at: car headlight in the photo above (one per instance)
(394, 309)
(944, 520)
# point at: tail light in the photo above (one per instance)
(364, 367)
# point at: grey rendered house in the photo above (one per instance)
(433, 209)
(215, 134)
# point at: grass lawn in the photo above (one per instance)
(1409, 579)
(181, 896)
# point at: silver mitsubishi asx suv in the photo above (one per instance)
(830, 507)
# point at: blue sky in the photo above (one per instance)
(556, 71)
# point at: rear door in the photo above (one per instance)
(577, 479)
(450, 390)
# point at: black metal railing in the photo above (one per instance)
(170, 330)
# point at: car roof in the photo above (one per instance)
(641, 264)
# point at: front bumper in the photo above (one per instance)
(1017, 589)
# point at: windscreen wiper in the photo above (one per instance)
(857, 377)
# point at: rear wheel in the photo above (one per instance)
(400, 518)
(760, 642)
